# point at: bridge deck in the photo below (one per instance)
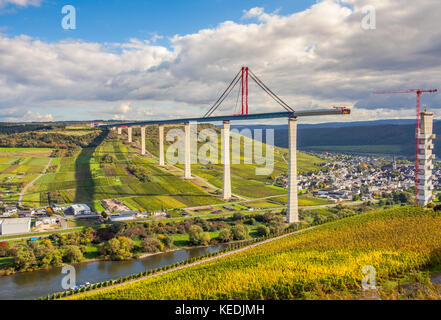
(272, 115)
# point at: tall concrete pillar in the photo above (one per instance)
(161, 145)
(129, 133)
(143, 140)
(226, 161)
(119, 130)
(292, 214)
(187, 166)
(424, 193)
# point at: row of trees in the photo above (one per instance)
(32, 255)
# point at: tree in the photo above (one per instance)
(205, 238)
(237, 216)
(268, 216)
(275, 226)
(151, 245)
(119, 248)
(24, 259)
(263, 231)
(198, 236)
(240, 232)
(168, 241)
(72, 254)
(195, 234)
(4, 249)
(225, 235)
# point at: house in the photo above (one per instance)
(15, 226)
(159, 214)
(25, 213)
(48, 220)
(9, 211)
(56, 208)
(78, 209)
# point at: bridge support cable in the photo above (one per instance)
(269, 92)
(243, 76)
(224, 95)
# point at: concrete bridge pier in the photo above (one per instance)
(226, 161)
(161, 145)
(187, 165)
(292, 214)
(143, 140)
(119, 130)
(129, 133)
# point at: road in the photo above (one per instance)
(23, 192)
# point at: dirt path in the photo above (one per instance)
(205, 260)
(23, 192)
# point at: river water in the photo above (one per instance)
(35, 284)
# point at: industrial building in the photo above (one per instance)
(78, 209)
(425, 159)
(121, 217)
(15, 226)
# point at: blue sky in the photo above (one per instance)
(119, 20)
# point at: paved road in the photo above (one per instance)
(23, 192)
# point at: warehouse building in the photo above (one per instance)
(78, 209)
(15, 226)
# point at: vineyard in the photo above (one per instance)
(308, 265)
(101, 172)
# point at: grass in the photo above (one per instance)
(6, 262)
(307, 265)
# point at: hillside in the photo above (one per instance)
(99, 166)
(316, 264)
(359, 138)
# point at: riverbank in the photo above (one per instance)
(32, 285)
(188, 265)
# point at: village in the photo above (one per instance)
(356, 177)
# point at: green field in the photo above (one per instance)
(325, 262)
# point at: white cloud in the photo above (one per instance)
(20, 3)
(316, 58)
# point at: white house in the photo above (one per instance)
(9, 211)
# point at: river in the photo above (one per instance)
(35, 284)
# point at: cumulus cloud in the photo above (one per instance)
(316, 58)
